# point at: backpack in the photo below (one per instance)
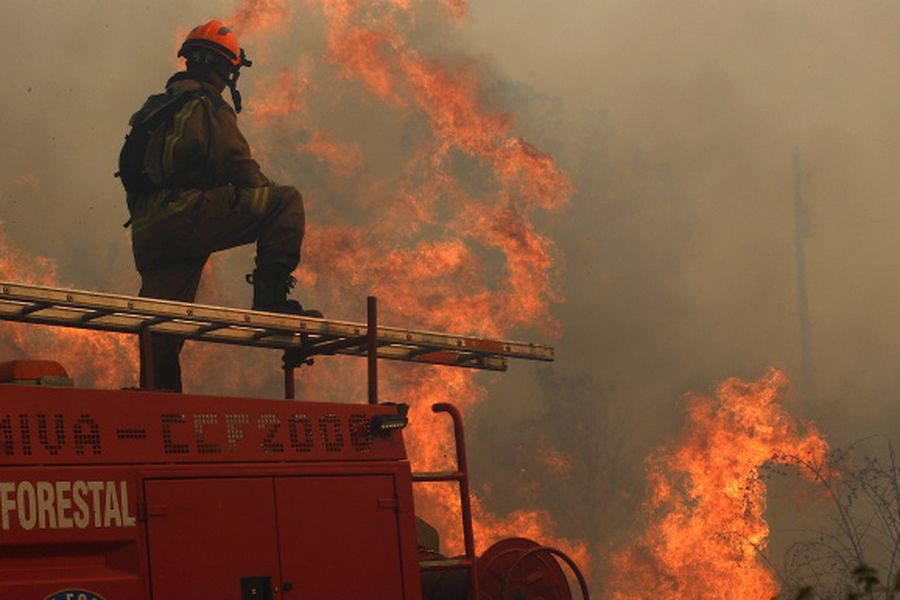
(157, 111)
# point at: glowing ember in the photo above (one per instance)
(706, 500)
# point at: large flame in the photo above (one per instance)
(439, 255)
(440, 252)
(705, 502)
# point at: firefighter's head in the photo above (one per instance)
(213, 52)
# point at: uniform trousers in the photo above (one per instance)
(175, 231)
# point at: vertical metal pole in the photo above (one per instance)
(801, 230)
(372, 340)
(288, 383)
(145, 351)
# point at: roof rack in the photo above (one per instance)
(301, 337)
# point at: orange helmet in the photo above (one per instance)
(215, 36)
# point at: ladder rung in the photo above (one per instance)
(97, 314)
(154, 321)
(27, 310)
(335, 345)
(211, 327)
(438, 476)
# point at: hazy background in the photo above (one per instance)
(677, 123)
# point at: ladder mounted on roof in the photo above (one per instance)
(302, 338)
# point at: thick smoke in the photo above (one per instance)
(676, 122)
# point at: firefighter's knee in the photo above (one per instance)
(290, 196)
(290, 204)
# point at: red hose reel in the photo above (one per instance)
(511, 569)
(520, 569)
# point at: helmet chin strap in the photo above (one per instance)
(235, 94)
(232, 82)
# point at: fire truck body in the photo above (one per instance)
(138, 495)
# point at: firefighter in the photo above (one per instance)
(193, 188)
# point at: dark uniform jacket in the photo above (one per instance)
(197, 154)
(202, 147)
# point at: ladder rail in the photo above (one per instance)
(128, 314)
(234, 336)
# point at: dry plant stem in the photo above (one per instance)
(846, 524)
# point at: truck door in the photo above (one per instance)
(339, 538)
(212, 538)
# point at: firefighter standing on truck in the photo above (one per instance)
(193, 188)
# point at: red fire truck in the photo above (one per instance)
(137, 494)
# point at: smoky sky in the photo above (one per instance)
(677, 123)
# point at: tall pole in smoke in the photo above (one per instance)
(801, 231)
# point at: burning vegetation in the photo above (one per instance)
(706, 533)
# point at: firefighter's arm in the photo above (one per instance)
(229, 152)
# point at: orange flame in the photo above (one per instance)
(458, 8)
(706, 500)
(441, 257)
(343, 159)
(286, 96)
(255, 16)
(98, 359)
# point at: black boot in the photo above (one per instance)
(271, 286)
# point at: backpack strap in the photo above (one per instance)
(160, 106)
(156, 110)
